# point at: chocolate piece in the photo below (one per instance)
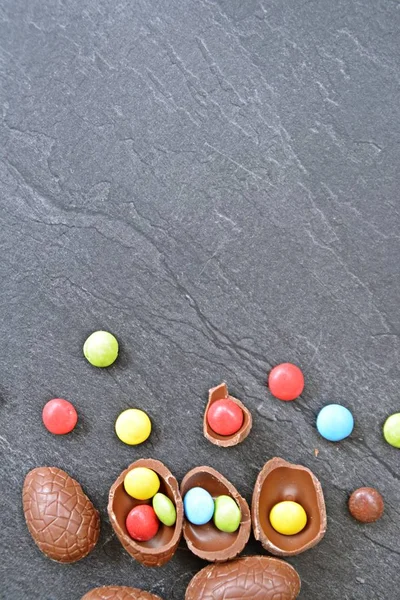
(117, 592)
(280, 480)
(60, 517)
(219, 393)
(161, 548)
(253, 577)
(366, 505)
(206, 541)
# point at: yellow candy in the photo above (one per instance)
(288, 517)
(141, 483)
(133, 426)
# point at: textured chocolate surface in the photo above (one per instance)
(366, 505)
(118, 592)
(60, 517)
(206, 541)
(280, 480)
(218, 393)
(250, 578)
(161, 548)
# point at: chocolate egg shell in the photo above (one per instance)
(60, 517)
(117, 592)
(252, 578)
(280, 480)
(219, 393)
(206, 541)
(161, 548)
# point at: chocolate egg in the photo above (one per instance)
(117, 592)
(161, 548)
(206, 541)
(220, 393)
(249, 578)
(60, 517)
(280, 480)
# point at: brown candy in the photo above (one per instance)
(219, 393)
(252, 578)
(280, 480)
(206, 541)
(116, 592)
(60, 517)
(161, 548)
(366, 505)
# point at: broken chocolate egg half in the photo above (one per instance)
(280, 480)
(246, 578)
(118, 592)
(221, 393)
(206, 541)
(161, 548)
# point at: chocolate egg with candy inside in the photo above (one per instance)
(158, 550)
(60, 517)
(281, 481)
(118, 592)
(231, 419)
(207, 541)
(250, 578)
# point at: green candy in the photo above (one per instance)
(227, 514)
(164, 509)
(101, 349)
(391, 430)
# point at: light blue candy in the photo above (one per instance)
(198, 505)
(335, 422)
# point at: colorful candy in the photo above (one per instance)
(227, 514)
(288, 517)
(142, 523)
(164, 509)
(141, 483)
(59, 416)
(391, 430)
(133, 426)
(225, 417)
(198, 505)
(335, 422)
(286, 381)
(101, 349)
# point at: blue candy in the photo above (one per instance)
(335, 422)
(199, 506)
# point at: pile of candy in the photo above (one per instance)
(143, 521)
(288, 509)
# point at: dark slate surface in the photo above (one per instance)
(216, 183)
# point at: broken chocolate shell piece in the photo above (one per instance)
(161, 548)
(117, 592)
(249, 578)
(206, 541)
(280, 480)
(219, 393)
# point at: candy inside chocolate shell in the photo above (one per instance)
(220, 393)
(117, 592)
(206, 541)
(280, 480)
(250, 578)
(162, 546)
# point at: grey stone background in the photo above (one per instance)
(216, 182)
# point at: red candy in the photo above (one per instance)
(286, 381)
(142, 523)
(225, 417)
(59, 416)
